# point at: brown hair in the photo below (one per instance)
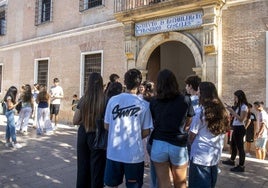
(93, 102)
(216, 115)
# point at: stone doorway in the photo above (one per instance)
(172, 55)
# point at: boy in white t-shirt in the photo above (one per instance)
(261, 134)
(128, 120)
(56, 94)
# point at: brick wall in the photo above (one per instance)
(244, 50)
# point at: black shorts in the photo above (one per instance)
(54, 109)
(250, 133)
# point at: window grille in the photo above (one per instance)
(3, 20)
(92, 64)
(87, 4)
(42, 72)
(43, 11)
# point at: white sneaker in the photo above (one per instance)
(17, 145)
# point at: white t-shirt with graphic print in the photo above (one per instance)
(127, 115)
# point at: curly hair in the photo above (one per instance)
(216, 116)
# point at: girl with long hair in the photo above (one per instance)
(206, 136)
(240, 114)
(26, 109)
(90, 161)
(171, 113)
(44, 124)
(10, 104)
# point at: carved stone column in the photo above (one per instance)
(211, 42)
(130, 44)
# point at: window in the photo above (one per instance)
(3, 20)
(87, 4)
(43, 11)
(42, 72)
(92, 63)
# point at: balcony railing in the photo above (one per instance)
(125, 5)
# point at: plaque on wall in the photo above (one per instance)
(172, 23)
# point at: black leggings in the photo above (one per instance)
(90, 162)
(237, 143)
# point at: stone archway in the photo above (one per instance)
(159, 39)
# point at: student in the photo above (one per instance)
(10, 104)
(207, 137)
(239, 113)
(90, 161)
(250, 129)
(35, 92)
(171, 112)
(44, 125)
(56, 94)
(113, 78)
(75, 102)
(27, 105)
(128, 120)
(261, 133)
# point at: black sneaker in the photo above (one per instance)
(228, 162)
(238, 168)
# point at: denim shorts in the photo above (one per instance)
(115, 171)
(163, 152)
(261, 143)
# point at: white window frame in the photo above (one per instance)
(36, 61)
(82, 68)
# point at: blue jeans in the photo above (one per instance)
(10, 128)
(115, 171)
(202, 176)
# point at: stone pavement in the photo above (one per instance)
(50, 162)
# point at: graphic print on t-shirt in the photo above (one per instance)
(125, 111)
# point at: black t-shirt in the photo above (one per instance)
(169, 116)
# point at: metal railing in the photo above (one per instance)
(125, 5)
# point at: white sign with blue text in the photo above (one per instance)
(178, 22)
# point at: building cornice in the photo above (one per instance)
(240, 2)
(65, 34)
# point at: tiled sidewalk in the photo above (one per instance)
(50, 162)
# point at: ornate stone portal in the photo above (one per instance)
(206, 50)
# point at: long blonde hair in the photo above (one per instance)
(93, 102)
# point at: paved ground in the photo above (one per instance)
(50, 162)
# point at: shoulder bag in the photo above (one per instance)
(101, 138)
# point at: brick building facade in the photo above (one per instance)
(223, 41)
